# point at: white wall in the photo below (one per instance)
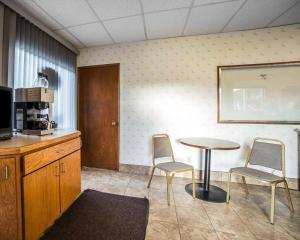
(170, 86)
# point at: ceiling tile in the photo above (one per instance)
(158, 5)
(210, 18)
(126, 29)
(207, 2)
(69, 37)
(91, 34)
(165, 24)
(39, 14)
(107, 9)
(258, 14)
(290, 17)
(68, 12)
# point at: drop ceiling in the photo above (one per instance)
(87, 23)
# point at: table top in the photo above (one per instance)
(209, 143)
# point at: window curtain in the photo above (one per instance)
(8, 28)
(35, 51)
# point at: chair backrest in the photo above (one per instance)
(162, 147)
(268, 153)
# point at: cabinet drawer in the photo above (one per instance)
(43, 157)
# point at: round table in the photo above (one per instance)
(206, 191)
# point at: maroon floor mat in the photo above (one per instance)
(97, 215)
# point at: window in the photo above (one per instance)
(35, 51)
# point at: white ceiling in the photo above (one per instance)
(88, 23)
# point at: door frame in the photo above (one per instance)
(119, 112)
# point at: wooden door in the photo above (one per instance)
(98, 115)
(41, 200)
(8, 200)
(70, 179)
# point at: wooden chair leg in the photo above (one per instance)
(152, 173)
(245, 185)
(228, 188)
(273, 186)
(288, 196)
(168, 177)
(193, 183)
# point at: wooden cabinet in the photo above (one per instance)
(39, 179)
(70, 179)
(8, 199)
(41, 199)
(48, 192)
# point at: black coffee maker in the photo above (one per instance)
(33, 111)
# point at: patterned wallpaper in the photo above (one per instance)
(170, 85)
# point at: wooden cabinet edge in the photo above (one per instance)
(46, 144)
(32, 147)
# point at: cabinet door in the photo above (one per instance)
(41, 200)
(70, 181)
(8, 200)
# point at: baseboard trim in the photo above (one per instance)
(294, 183)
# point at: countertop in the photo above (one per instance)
(21, 144)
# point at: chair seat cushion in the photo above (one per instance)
(257, 174)
(174, 166)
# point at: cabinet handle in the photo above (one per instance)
(6, 172)
(63, 168)
(57, 171)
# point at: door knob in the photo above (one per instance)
(113, 123)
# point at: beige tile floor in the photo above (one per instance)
(188, 219)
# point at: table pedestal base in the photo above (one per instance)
(215, 194)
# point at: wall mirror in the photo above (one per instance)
(259, 93)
